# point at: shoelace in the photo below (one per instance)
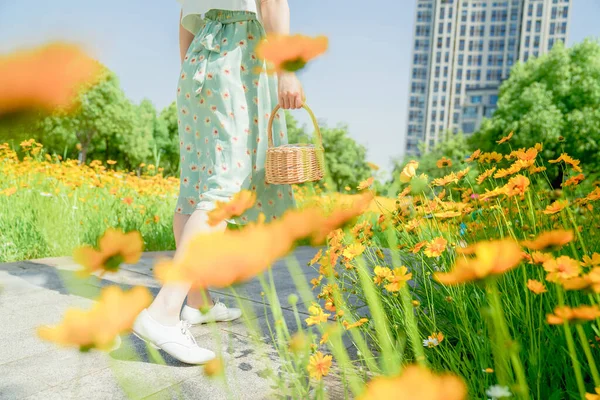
(185, 330)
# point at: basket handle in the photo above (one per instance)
(312, 116)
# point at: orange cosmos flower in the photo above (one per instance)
(436, 247)
(491, 258)
(563, 267)
(548, 240)
(316, 258)
(418, 247)
(358, 323)
(574, 181)
(319, 365)
(482, 177)
(493, 193)
(398, 279)
(444, 162)
(416, 382)
(517, 185)
(115, 248)
(536, 287)
(98, 327)
(592, 261)
(65, 69)
(537, 257)
(489, 157)
(409, 171)
(506, 138)
(9, 192)
(474, 156)
(127, 200)
(451, 177)
(568, 160)
(593, 195)
(577, 315)
(526, 155)
(556, 207)
(463, 173)
(366, 183)
(220, 259)
(111, 162)
(240, 202)
(290, 52)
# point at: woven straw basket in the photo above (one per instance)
(294, 163)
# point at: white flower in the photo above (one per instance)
(46, 194)
(498, 392)
(430, 342)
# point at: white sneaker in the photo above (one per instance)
(176, 341)
(217, 313)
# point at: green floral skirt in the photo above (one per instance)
(224, 102)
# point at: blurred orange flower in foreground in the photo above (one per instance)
(47, 77)
(115, 248)
(98, 327)
(416, 382)
(491, 258)
(291, 52)
(548, 240)
(220, 259)
(241, 202)
(577, 315)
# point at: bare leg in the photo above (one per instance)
(167, 305)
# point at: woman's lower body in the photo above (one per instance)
(224, 101)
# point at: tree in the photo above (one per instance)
(103, 114)
(166, 138)
(554, 100)
(345, 159)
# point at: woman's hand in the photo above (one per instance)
(290, 91)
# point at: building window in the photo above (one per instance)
(476, 99)
(468, 127)
(493, 99)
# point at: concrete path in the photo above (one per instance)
(38, 292)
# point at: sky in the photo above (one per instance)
(361, 82)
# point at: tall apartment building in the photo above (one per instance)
(463, 50)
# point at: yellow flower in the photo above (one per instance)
(365, 184)
(114, 248)
(517, 185)
(214, 367)
(240, 202)
(592, 396)
(316, 258)
(398, 279)
(577, 315)
(536, 287)
(409, 171)
(290, 52)
(550, 239)
(568, 160)
(556, 207)
(488, 371)
(316, 315)
(353, 251)
(574, 181)
(113, 314)
(319, 365)
(358, 323)
(381, 274)
(418, 247)
(324, 338)
(298, 343)
(436, 247)
(444, 162)
(111, 162)
(563, 267)
(374, 167)
(592, 261)
(506, 138)
(416, 382)
(9, 192)
(485, 175)
(491, 258)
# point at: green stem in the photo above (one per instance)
(500, 322)
(588, 353)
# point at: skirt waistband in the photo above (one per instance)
(228, 16)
